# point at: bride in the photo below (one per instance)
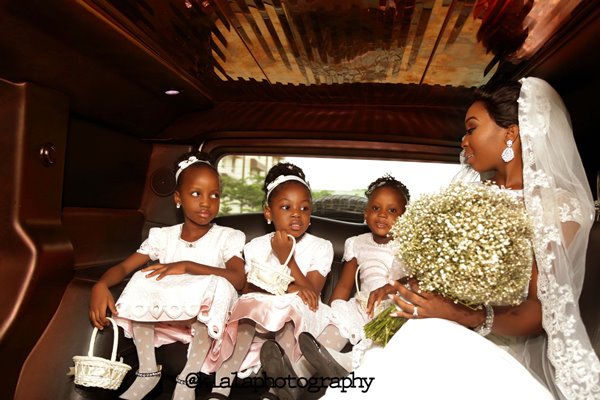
(518, 134)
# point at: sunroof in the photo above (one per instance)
(313, 42)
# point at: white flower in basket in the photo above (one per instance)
(273, 279)
(97, 371)
(362, 296)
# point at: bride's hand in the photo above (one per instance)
(429, 305)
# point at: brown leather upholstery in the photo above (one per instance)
(35, 253)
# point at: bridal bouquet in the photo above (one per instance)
(470, 243)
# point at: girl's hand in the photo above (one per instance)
(377, 295)
(162, 270)
(101, 300)
(308, 296)
(428, 304)
(281, 245)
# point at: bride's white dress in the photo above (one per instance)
(438, 359)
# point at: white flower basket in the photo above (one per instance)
(274, 280)
(97, 371)
(362, 297)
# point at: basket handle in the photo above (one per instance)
(113, 356)
(289, 257)
(368, 262)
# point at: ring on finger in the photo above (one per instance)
(415, 312)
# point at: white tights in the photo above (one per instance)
(143, 337)
(228, 370)
(197, 350)
(334, 342)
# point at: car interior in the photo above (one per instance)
(98, 99)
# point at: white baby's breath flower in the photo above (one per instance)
(468, 242)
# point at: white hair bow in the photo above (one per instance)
(186, 163)
(284, 178)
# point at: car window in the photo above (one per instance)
(337, 184)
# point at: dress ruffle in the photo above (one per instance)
(270, 313)
(349, 317)
(207, 298)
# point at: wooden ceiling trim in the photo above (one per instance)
(414, 121)
(347, 149)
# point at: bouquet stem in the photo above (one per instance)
(381, 328)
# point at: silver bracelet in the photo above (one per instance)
(485, 328)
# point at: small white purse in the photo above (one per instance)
(273, 279)
(362, 297)
(97, 371)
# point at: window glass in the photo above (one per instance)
(338, 185)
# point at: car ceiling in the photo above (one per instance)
(267, 61)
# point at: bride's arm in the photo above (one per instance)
(526, 318)
(569, 230)
(522, 320)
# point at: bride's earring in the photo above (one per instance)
(178, 205)
(268, 221)
(508, 154)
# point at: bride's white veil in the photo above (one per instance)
(556, 192)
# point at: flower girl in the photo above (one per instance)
(188, 294)
(371, 256)
(258, 317)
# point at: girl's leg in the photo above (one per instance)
(285, 337)
(277, 366)
(330, 338)
(197, 351)
(228, 370)
(148, 373)
(334, 342)
(320, 358)
(276, 356)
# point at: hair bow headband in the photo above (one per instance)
(186, 163)
(282, 179)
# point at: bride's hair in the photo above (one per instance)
(500, 101)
